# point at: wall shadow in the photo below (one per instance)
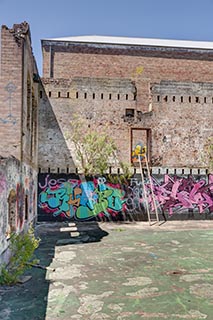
(52, 146)
(30, 299)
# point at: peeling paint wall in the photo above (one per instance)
(18, 193)
(19, 82)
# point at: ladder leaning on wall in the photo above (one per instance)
(153, 217)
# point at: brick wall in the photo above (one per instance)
(19, 84)
(169, 91)
(18, 95)
(71, 60)
(179, 129)
(10, 94)
(94, 99)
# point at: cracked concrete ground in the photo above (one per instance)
(117, 271)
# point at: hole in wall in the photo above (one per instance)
(26, 207)
(130, 113)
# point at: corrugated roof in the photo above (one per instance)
(137, 41)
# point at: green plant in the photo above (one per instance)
(126, 168)
(22, 248)
(93, 148)
(124, 176)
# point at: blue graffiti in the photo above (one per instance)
(81, 200)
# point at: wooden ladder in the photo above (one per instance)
(155, 219)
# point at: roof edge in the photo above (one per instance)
(105, 40)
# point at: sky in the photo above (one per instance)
(164, 19)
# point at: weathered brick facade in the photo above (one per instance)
(19, 83)
(156, 94)
(18, 95)
(164, 91)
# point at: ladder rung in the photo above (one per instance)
(156, 219)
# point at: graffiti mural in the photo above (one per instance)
(78, 199)
(173, 194)
(138, 153)
(82, 200)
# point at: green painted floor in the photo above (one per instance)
(111, 271)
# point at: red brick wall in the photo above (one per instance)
(11, 75)
(16, 108)
(193, 66)
(179, 128)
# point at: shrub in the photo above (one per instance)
(22, 248)
(123, 177)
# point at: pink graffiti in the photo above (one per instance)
(182, 193)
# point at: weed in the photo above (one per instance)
(22, 248)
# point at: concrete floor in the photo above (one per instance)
(117, 271)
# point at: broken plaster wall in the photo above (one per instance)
(18, 192)
(19, 82)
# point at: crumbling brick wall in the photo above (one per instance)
(18, 95)
(19, 83)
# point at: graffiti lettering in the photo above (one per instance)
(81, 200)
(73, 198)
(182, 193)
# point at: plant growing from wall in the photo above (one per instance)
(124, 176)
(94, 149)
(22, 247)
